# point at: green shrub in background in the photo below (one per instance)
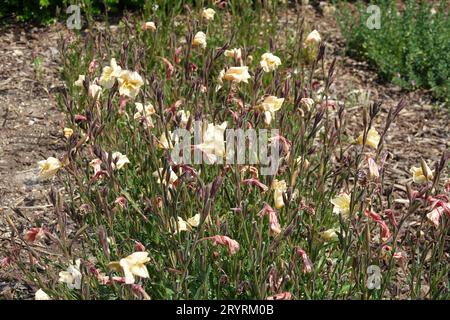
(411, 48)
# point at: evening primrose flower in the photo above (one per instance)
(422, 174)
(313, 38)
(110, 74)
(373, 168)
(372, 140)
(269, 106)
(269, 62)
(49, 167)
(79, 82)
(208, 14)
(192, 222)
(41, 295)
(199, 40)
(95, 91)
(329, 235)
(72, 276)
(144, 113)
(68, 132)
(235, 74)
(172, 178)
(279, 188)
(129, 83)
(233, 53)
(149, 25)
(213, 144)
(134, 265)
(341, 204)
(118, 160)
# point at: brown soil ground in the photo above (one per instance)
(31, 125)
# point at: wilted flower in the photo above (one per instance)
(49, 167)
(435, 215)
(34, 234)
(233, 245)
(279, 188)
(213, 144)
(269, 62)
(199, 40)
(95, 91)
(110, 74)
(80, 80)
(235, 74)
(208, 14)
(72, 277)
(373, 168)
(269, 106)
(329, 235)
(134, 265)
(341, 204)
(422, 174)
(149, 25)
(233, 53)
(41, 295)
(307, 264)
(144, 114)
(372, 139)
(68, 132)
(118, 160)
(129, 83)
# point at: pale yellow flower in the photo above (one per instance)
(118, 160)
(373, 138)
(236, 74)
(213, 144)
(269, 62)
(49, 167)
(269, 106)
(208, 14)
(233, 53)
(165, 143)
(342, 204)
(129, 83)
(68, 132)
(144, 113)
(192, 222)
(95, 91)
(110, 74)
(199, 40)
(41, 295)
(172, 178)
(79, 81)
(72, 276)
(149, 25)
(279, 188)
(422, 174)
(134, 265)
(313, 38)
(329, 235)
(299, 161)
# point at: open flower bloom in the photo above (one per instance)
(372, 139)
(68, 132)
(110, 74)
(208, 14)
(232, 245)
(95, 91)
(172, 178)
(329, 235)
(313, 38)
(213, 144)
(49, 167)
(118, 160)
(149, 25)
(72, 277)
(192, 222)
(129, 83)
(269, 106)
(342, 204)
(199, 40)
(134, 265)
(279, 188)
(269, 62)
(422, 174)
(235, 74)
(144, 114)
(79, 81)
(41, 295)
(233, 53)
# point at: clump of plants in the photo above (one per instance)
(411, 46)
(136, 222)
